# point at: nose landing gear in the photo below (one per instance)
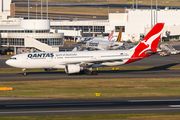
(24, 72)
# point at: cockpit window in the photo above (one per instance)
(13, 58)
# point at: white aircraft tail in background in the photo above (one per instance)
(119, 35)
(111, 35)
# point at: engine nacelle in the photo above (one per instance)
(70, 69)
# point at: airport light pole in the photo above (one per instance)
(156, 11)
(41, 9)
(136, 4)
(47, 8)
(28, 9)
(36, 11)
(133, 4)
(108, 13)
(151, 15)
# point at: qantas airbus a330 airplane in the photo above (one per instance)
(78, 61)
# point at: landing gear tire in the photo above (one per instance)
(88, 73)
(81, 72)
(24, 74)
(91, 73)
(94, 73)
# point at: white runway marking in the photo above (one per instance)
(174, 106)
(152, 100)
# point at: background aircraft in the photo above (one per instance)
(104, 43)
(102, 38)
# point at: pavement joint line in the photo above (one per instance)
(94, 110)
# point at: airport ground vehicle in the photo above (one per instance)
(167, 49)
(164, 53)
(78, 61)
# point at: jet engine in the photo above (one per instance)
(70, 69)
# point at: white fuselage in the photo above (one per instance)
(104, 38)
(58, 60)
(104, 45)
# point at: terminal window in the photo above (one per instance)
(117, 28)
(83, 28)
(51, 41)
(12, 41)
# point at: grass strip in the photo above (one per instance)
(158, 116)
(109, 88)
(72, 10)
(17, 70)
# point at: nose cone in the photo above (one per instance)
(8, 62)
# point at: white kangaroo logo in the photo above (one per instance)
(149, 42)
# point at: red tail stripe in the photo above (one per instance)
(111, 35)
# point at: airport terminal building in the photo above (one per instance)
(26, 35)
(29, 35)
(48, 35)
(136, 23)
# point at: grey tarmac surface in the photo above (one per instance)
(37, 76)
(45, 107)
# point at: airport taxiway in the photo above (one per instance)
(44, 107)
(37, 76)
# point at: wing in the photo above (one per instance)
(96, 61)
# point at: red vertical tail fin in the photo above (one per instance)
(149, 43)
(151, 40)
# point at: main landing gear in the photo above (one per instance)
(24, 72)
(90, 72)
